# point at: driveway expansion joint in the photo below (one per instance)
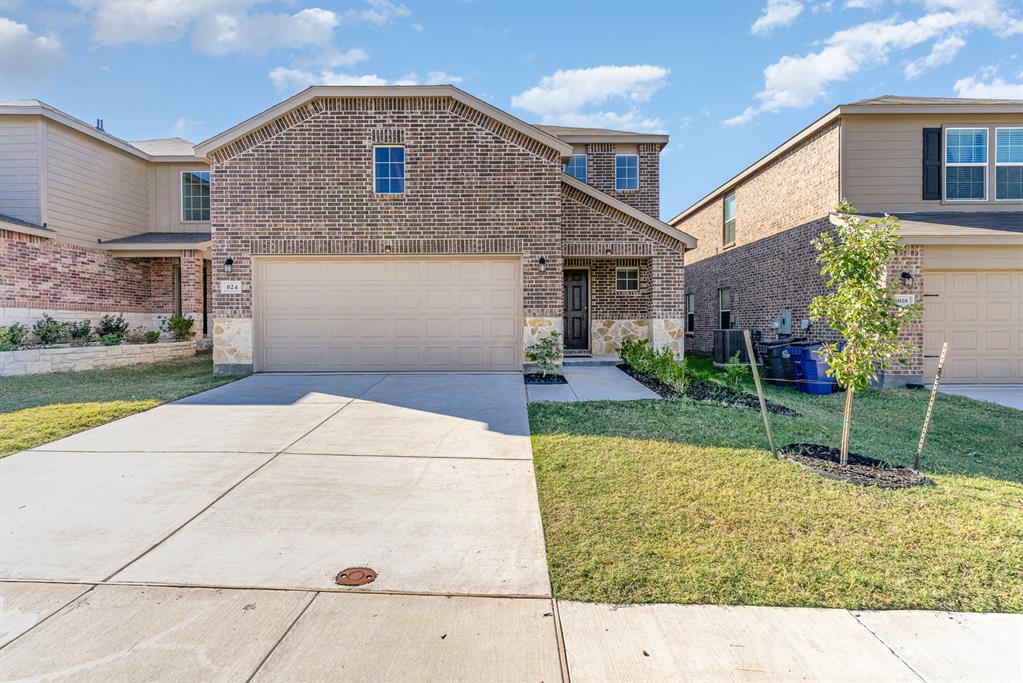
(889, 647)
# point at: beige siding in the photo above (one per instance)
(93, 190)
(882, 161)
(165, 199)
(20, 168)
(798, 188)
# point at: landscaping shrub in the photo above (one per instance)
(49, 331)
(110, 339)
(546, 353)
(179, 327)
(136, 335)
(110, 324)
(659, 364)
(12, 336)
(735, 372)
(152, 336)
(78, 333)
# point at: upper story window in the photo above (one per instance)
(627, 172)
(195, 195)
(627, 279)
(389, 169)
(1008, 163)
(690, 312)
(576, 167)
(966, 164)
(728, 234)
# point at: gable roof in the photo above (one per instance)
(253, 123)
(162, 147)
(572, 134)
(40, 108)
(887, 104)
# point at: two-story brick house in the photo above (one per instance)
(950, 169)
(92, 224)
(419, 228)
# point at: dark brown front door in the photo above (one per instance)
(577, 309)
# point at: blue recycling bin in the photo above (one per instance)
(804, 361)
(815, 371)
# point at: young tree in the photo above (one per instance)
(860, 304)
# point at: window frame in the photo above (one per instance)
(725, 242)
(1005, 164)
(722, 311)
(181, 196)
(573, 158)
(404, 176)
(627, 189)
(690, 312)
(626, 270)
(945, 164)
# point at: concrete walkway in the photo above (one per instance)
(201, 540)
(1010, 395)
(590, 383)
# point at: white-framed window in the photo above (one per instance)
(626, 172)
(627, 279)
(1008, 163)
(725, 308)
(576, 167)
(389, 169)
(690, 312)
(966, 164)
(728, 233)
(195, 196)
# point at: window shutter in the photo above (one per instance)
(932, 163)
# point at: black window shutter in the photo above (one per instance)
(932, 163)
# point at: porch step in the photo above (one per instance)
(607, 359)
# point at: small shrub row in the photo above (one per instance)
(110, 331)
(660, 364)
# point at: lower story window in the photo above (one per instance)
(725, 308)
(627, 279)
(690, 312)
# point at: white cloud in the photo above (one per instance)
(569, 90)
(872, 5)
(799, 81)
(284, 78)
(777, 14)
(141, 21)
(233, 32)
(418, 28)
(27, 55)
(379, 12)
(942, 52)
(183, 125)
(987, 84)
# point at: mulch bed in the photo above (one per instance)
(539, 378)
(862, 469)
(708, 391)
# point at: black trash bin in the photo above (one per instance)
(777, 363)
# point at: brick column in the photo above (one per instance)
(191, 286)
(667, 300)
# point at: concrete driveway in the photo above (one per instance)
(201, 540)
(1010, 395)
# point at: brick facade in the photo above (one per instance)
(600, 172)
(303, 184)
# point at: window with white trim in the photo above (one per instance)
(627, 279)
(195, 196)
(690, 312)
(627, 172)
(966, 164)
(728, 234)
(725, 308)
(576, 167)
(389, 169)
(1008, 163)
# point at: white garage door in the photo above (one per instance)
(388, 313)
(980, 314)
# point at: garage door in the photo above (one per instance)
(980, 314)
(394, 314)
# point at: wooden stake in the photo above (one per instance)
(760, 391)
(930, 407)
(843, 458)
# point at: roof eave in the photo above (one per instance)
(24, 229)
(156, 246)
(626, 139)
(204, 148)
(946, 108)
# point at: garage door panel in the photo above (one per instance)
(384, 314)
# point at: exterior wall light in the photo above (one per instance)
(387, 248)
(907, 279)
(228, 264)
(542, 263)
(607, 251)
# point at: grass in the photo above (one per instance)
(680, 501)
(37, 409)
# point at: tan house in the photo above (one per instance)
(93, 224)
(950, 169)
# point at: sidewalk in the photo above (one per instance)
(667, 643)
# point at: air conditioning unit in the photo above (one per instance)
(727, 342)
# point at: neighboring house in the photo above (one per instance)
(419, 228)
(91, 224)
(950, 169)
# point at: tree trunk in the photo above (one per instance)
(846, 423)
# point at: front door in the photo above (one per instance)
(577, 309)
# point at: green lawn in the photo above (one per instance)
(37, 409)
(680, 501)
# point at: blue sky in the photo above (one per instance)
(727, 80)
